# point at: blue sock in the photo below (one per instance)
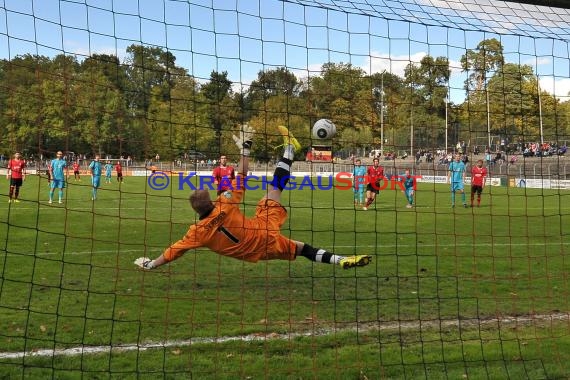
(453, 197)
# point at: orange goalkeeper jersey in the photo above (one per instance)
(228, 232)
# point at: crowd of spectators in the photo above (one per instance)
(544, 150)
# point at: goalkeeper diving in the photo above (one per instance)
(224, 229)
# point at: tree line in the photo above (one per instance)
(148, 105)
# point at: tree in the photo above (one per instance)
(181, 124)
(352, 139)
(110, 67)
(512, 101)
(343, 94)
(21, 118)
(222, 109)
(394, 103)
(269, 83)
(337, 81)
(149, 67)
(485, 58)
(426, 98)
(99, 112)
(279, 110)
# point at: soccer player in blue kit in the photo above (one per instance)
(57, 167)
(359, 182)
(96, 168)
(409, 185)
(108, 171)
(456, 177)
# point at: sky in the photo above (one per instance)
(244, 37)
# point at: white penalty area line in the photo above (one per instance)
(81, 252)
(466, 324)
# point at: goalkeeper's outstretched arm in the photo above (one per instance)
(243, 165)
(244, 141)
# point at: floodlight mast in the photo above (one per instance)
(382, 117)
(539, 110)
(446, 101)
(379, 92)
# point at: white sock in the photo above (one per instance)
(336, 259)
(319, 256)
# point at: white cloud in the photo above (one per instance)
(536, 61)
(82, 52)
(378, 63)
(313, 70)
(558, 87)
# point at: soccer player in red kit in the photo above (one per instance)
(223, 175)
(76, 175)
(16, 174)
(478, 175)
(119, 170)
(374, 174)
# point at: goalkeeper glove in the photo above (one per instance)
(244, 140)
(145, 263)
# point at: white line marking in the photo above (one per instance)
(381, 326)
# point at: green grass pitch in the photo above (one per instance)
(451, 293)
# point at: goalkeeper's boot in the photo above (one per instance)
(355, 261)
(288, 138)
